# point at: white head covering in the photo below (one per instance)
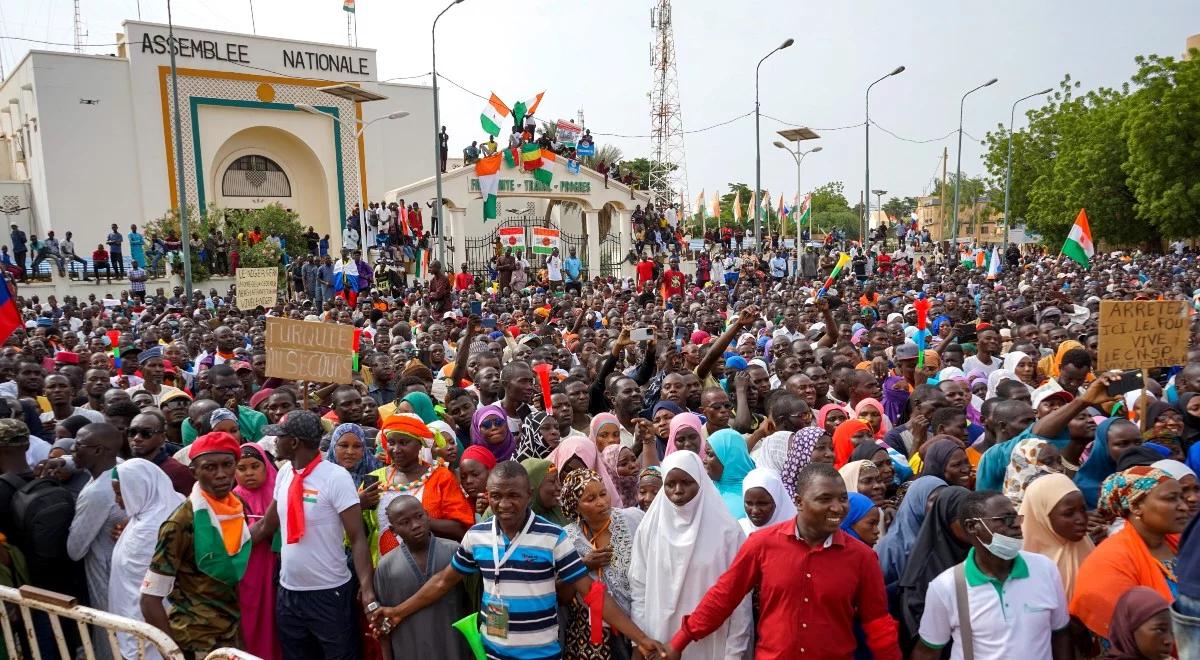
(679, 552)
(995, 378)
(768, 480)
(149, 500)
(1012, 360)
(850, 471)
(1176, 469)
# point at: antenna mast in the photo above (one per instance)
(79, 33)
(668, 169)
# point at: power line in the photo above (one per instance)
(54, 43)
(815, 128)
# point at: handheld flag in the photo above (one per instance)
(526, 107)
(543, 174)
(921, 305)
(1079, 242)
(994, 263)
(493, 115)
(531, 156)
(488, 171)
(843, 259)
(543, 373)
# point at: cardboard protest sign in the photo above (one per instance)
(1142, 334)
(309, 350)
(257, 287)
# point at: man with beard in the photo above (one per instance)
(803, 387)
(153, 369)
(227, 391)
(790, 414)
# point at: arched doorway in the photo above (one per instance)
(263, 165)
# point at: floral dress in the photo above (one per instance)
(615, 577)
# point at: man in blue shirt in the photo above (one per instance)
(517, 595)
(573, 267)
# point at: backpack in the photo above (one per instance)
(41, 512)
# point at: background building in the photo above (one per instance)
(88, 140)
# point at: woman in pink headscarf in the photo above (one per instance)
(687, 432)
(574, 453)
(871, 412)
(256, 592)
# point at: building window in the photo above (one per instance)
(255, 176)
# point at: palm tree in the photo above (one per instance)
(607, 154)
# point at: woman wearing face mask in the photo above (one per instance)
(1142, 553)
(603, 537)
(682, 547)
(1113, 437)
(1055, 525)
(765, 500)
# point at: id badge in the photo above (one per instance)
(497, 620)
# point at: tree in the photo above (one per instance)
(607, 154)
(900, 209)
(830, 209)
(1162, 135)
(235, 224)
(640, 167)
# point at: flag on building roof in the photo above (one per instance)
(737, 205)
(543, 174)
(488, 171)
(531, 156)
(348, 5)
(527, 107)
(512, 157)
(495, 113)
(1079, 242)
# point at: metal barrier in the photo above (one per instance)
(21, 640)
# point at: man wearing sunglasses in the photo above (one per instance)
(1016, 606)
(147, 435)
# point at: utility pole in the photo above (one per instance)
(942, 192)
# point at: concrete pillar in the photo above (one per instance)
(623, 223)
(455, 233)
(590, 224)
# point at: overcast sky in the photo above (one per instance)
(594, 55)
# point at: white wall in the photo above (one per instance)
(399, 151)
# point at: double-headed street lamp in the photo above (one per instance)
(862, 232)
(437, 142)
(362, 126)
(758, 149)
(958, 160)
(797, 134)
(1012, 117)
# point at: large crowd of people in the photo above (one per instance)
(732, 463)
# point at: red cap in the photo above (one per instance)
(217, 442)
(66, 357)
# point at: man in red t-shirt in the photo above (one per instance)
(645, 272)
(464, 280)
(673, 280)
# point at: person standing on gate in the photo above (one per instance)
(574, 268)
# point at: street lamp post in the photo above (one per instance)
(437, 141)
(958, 160)
(362, 208)
(879, 205)
(862, 231)
(758, 149)
(184, 230)
(1012, 117)
(798, 156)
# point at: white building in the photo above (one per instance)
(88, 140)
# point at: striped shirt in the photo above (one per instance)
(526, 584)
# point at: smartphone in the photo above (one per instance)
(369, 480)
(476, 307)
(641, 334)
(966, 332)
(1130, 380)
(489, 323)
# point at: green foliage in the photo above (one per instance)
(608, 153)
(1163, 139)
(1130, 156)
(236, 224)
(900, 208)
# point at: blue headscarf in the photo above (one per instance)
(860, 506)
(893, 549)
(367, 464)
(1099, 465)
(729, 447)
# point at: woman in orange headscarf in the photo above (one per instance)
(850, 434)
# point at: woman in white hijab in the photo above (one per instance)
(145, 493)
(995, 378)
(685, 543)
(767, 503)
